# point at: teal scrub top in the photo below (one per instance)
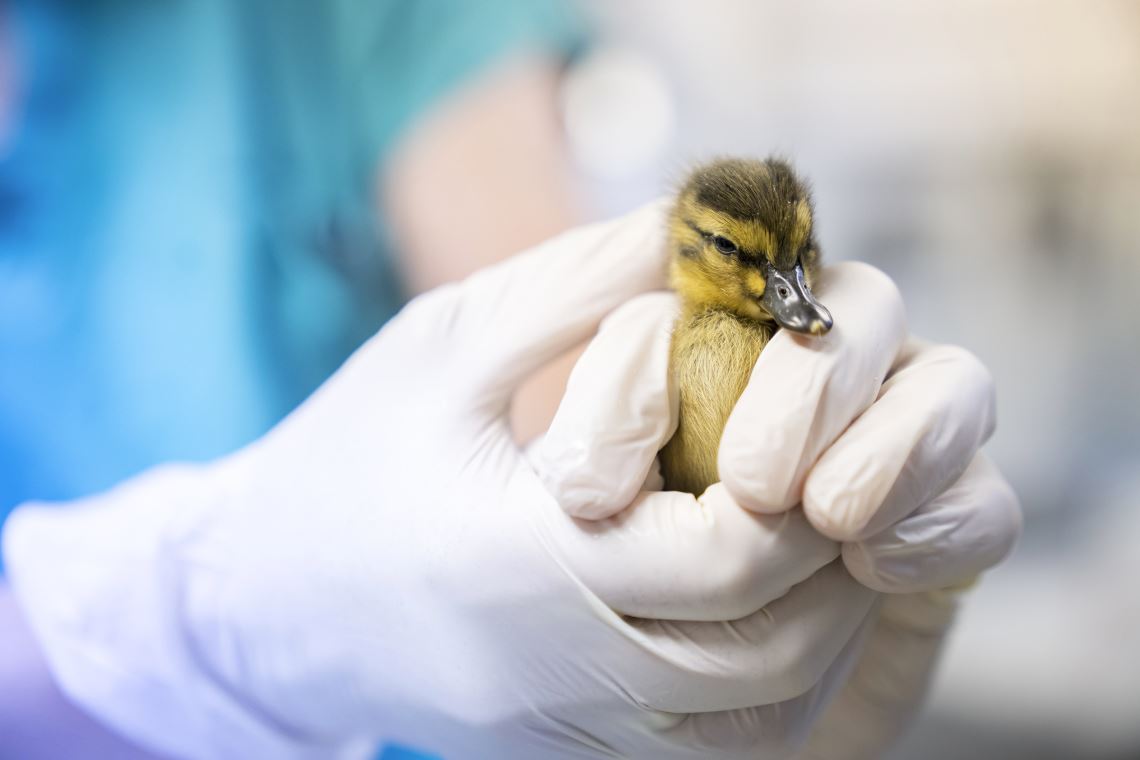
(189, 241)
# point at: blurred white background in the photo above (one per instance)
(986, 154)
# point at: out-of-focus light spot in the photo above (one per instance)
(618, 111)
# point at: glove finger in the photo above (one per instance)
(965, 530)
(671, 556)
(775, 654)
(512, 318)
(804, 391)
(618, 410)
(933, 414)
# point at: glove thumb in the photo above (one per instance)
(515, 317)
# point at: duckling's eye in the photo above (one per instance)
(724, 245)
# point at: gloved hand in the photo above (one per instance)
(877, 435)
(385, 564)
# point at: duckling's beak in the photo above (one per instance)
(790, 302)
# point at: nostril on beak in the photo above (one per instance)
(783, 291)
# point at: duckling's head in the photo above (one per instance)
(742, 239)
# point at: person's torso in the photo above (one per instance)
(187, 243)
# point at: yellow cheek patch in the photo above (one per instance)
(755, 283)
(694, 282)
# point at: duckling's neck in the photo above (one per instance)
(691, 310)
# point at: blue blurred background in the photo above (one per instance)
(204, 206)
(191, 230)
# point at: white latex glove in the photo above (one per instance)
(385, 564)
(875, 433)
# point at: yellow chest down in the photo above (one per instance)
(711, 358)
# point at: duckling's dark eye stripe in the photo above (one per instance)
(699, 231)
(747, 256)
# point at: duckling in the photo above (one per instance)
(743, 258)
